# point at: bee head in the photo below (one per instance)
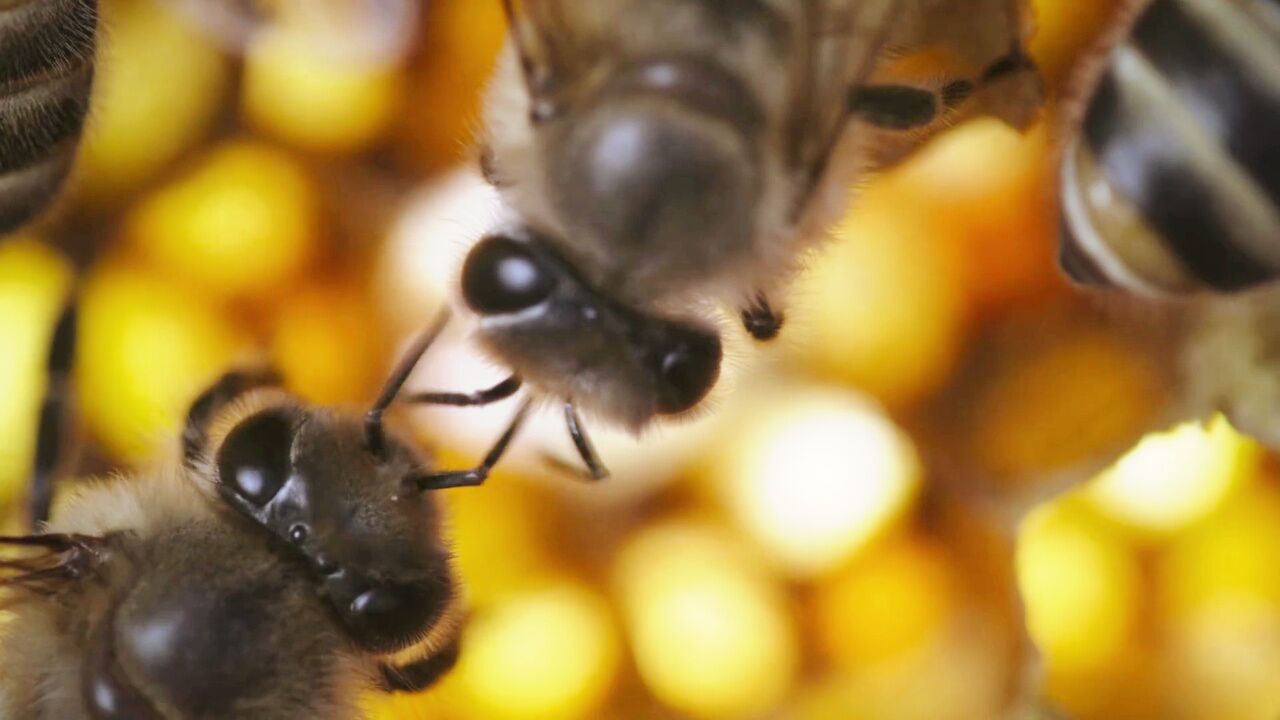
(307, 476)
(539, 316)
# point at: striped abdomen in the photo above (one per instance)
(46, 71)
(1173, 182)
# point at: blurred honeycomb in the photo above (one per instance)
(830, 545)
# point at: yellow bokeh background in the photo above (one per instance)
(833, 540)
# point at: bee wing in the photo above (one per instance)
(907, 69)
(42, 564)
(840, 42)
(543, 38)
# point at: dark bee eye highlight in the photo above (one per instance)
(502, 276)
(254, 459)
(687, 370)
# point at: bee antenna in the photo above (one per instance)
(374, 435)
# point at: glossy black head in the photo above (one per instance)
(306, 475)
(539, 315)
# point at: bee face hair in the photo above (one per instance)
(548, 324)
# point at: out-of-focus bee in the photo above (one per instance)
(46, 73)
(1172, 183)
(1170, 188)
(661, 156)
(289, 563)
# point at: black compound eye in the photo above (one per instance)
(254, 459)
(390, 617)
(502, 276)
(687, 370)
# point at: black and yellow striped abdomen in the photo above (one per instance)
(46, 73)
(1172, 184)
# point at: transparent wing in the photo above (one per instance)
(543, 37)
(839, 43)
(41, 564)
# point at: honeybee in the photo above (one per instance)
(1171, 186)
(287, 563)
(1170, 191)
(661, 156)
(46, 74)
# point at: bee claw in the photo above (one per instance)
(761, 321)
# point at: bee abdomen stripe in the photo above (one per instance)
(42, 37)
(24, 192)
(46, 74)
(1223, 63)
(1154, 150)
(36, 120)
(1106, 241)
(1074, 261)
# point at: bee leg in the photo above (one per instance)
(421, 674)
(477, 475)
(761, 320)
(1015, 62)
(228, 388)
(53, 424)
(1012, 88)
(894, 107)
(501, 391)
(50, 558)
(374, 435)
(596, 471)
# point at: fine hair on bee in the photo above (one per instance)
(46, 74)
(284, 564)
(47, 53)
(1170, 178)
(661, 158)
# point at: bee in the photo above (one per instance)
(1170, 184)
(661, 156)
(46, 75)
(1170, 192)
(287, 563)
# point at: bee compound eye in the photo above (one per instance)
(687, 370)
(254, 459)
(390, 617)
(501, 276)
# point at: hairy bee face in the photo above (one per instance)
(1173, 184)
(284, 570)
(46, 72)
(549, 325)
(306, 476)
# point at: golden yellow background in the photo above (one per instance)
(833, 543)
